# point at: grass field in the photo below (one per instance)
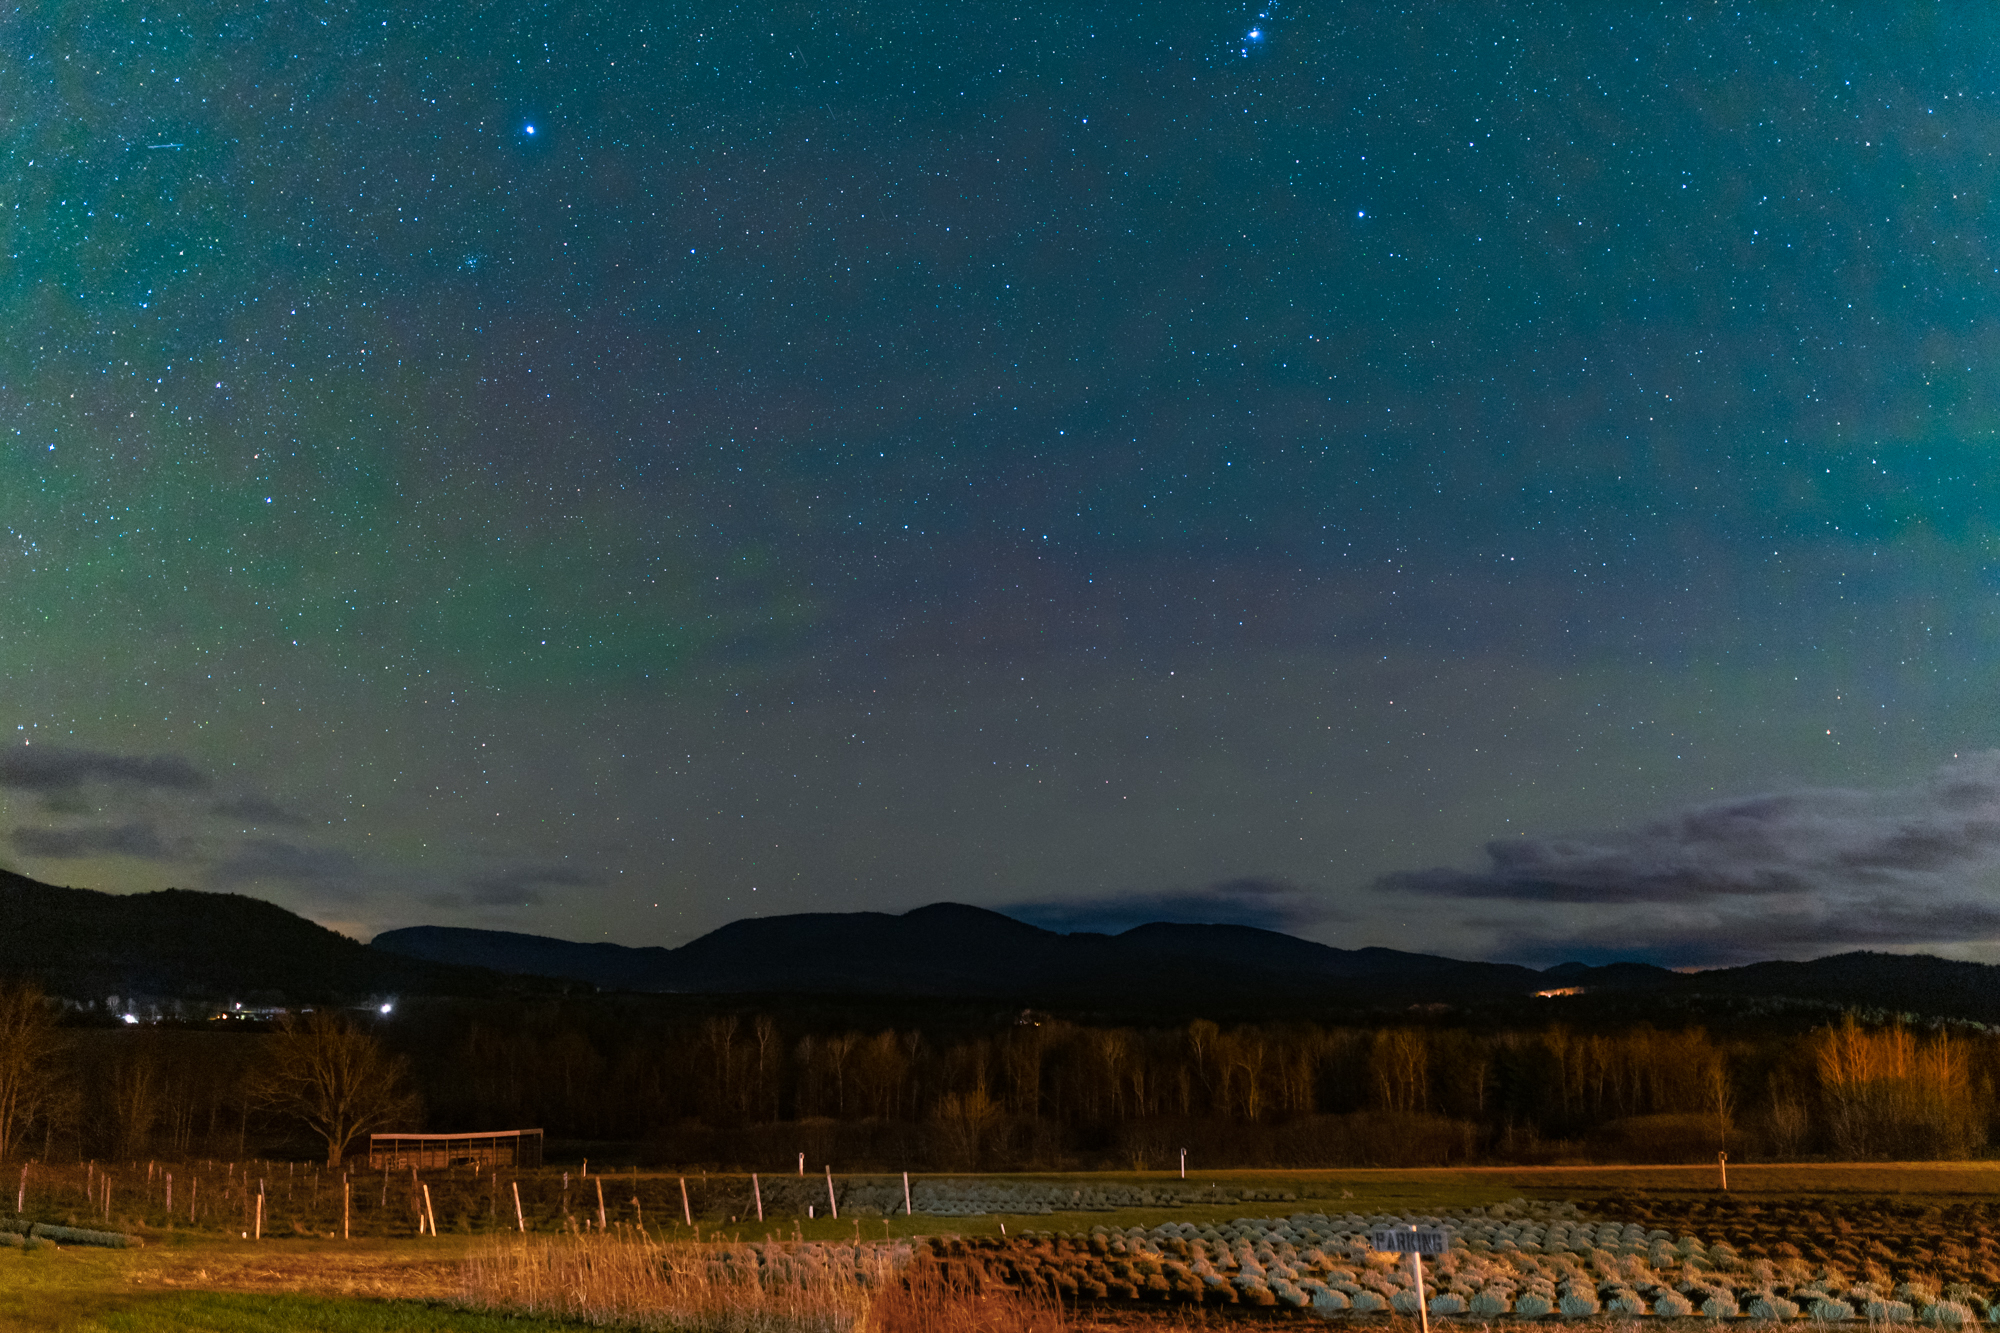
(205, 1281)
(233, 1287)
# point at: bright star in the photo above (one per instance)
(531, 129)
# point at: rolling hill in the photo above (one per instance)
(179, 944)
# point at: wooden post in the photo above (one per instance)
(832, 1205)
(757, 1193)
(601, 1224)
(1722, 1164)
(427, 1210)
(908, 1211)
(1423, 1305)
(107, 1198)
(21, 1198)
(170, 1194)
(1184, 1164)
(346, 1207)
(259, 1224)
(802, 1165)
(687, 1212)
(520, 1219)
(194, 1188)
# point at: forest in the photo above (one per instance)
(1035, 1092)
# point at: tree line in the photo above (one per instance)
(736, 1090)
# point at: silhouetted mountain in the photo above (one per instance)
(960, 952)
(1917, 984)
(948, 949)
(179, 944)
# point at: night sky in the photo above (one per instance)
(1507, 480)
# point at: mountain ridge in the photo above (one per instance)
(185, 944)
(180, 943)
(952, 949)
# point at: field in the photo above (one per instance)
(1910, 1237)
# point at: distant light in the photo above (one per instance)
(132, 1019)
(531, 129)
(387, 1007)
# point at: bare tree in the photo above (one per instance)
(336, 1079)
(27, 1060)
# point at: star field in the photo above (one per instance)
(517, 466)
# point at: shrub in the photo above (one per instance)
(1948, 1314)
(1446, 1302)
(1627, 1303)
(1404, 1302)
(1888, 1312)
(1720, 1305)
(1489, 1304)
(1368, 1302)
(1329, 1302)
(1534, 1305)
(1672, 1305)
(1830, 1311)
(1580, 1303)
(70, 1235)
(1768, 1307)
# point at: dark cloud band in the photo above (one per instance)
(67, 844)
(1934, 835)
(40, 769)
(1264, 903)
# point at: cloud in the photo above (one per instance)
(99, 840)
(1732, 937)
(1264, 903)
(44, 769)
(271, 858)
(256, 810)
(523, 886)
(1936, 836)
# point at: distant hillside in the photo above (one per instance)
(948, 949)
(179, 944)
(1915, 984)
(188, 945)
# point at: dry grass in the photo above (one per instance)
(630, 1278)
(931, 1298)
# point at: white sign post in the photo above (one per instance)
(1416, 1242)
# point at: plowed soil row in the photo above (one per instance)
(1948, 1241)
